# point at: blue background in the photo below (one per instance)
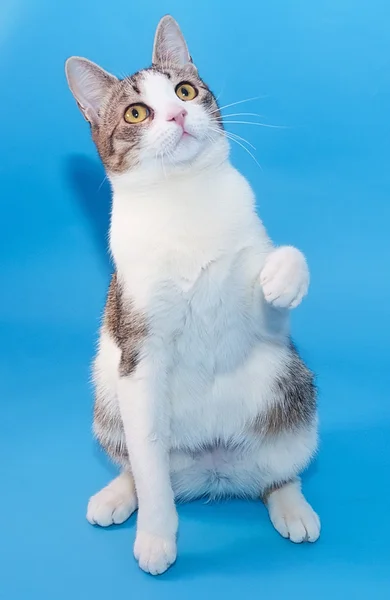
(324, 70)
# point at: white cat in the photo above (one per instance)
(199, 389)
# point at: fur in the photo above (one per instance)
(199, 389)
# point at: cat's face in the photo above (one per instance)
(162, 117)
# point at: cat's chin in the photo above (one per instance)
(187, 149)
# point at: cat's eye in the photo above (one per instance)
(186, 91)
(136, 113)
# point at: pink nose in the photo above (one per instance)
(178, 116)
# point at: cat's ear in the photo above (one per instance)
(89, 84)
(170, 47)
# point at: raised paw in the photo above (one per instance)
(285, 277)
(299, 523)
(110, 506)
(154, 554)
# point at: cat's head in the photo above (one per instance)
(163, 117)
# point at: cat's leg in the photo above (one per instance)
(280, 459)
(285, 277)
(286, 441)
(145, 414)
(114, 503)
(290, 513)
(118, 500)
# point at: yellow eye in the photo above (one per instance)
(186, 91)
(136, 113)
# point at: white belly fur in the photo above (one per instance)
(224, 361)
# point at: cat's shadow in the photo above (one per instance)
(86, 178)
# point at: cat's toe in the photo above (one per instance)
(108, 507)
(280, 295)
(299, 524)
(285, 278)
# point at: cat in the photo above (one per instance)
(199, 389)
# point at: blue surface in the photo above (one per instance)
(324, 69)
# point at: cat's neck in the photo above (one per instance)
(155, 183)
(195, 204)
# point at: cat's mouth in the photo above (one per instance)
(185, 137)
(184, 132)
(185, 146)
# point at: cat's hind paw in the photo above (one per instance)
(111, 506)
(292, 516)
(298, 526)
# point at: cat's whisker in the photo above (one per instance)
(161, 156)
(170, 156)
(220, 93)
(241, 115)
(218, 97)
(102, 183)
(242, 139)
(248, 151)
(163, 166)
(257, 124)
(235, 103)
(233, 139)
(231, 134)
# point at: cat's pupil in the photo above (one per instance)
(135, 113)
(184, 92)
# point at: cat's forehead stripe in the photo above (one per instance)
(135, 81)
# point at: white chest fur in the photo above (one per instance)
(172, 230)
(190, 253)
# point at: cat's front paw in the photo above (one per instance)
(154, 554)
(285, 277)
